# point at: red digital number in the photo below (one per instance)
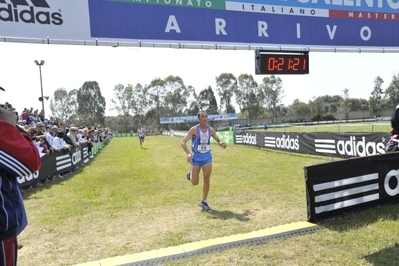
(270, 63)
(280, 64)
(295, 64)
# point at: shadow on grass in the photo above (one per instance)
(226, 215)
(362, 217)
(30, 192)
(384, 257)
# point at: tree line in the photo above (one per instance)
(145, 105)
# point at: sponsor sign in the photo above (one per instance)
(301, 23)
(343, 145)
(60, 163)
(337, 187)
(247, 138)
(45, 19)
(284, 142)
(354, 146)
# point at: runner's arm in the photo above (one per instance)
(186, 138)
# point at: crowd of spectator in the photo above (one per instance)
(51, 136)
(244, 125)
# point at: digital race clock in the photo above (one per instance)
(281, 63)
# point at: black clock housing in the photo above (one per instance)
(267, 63)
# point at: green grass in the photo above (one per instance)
(130, 200)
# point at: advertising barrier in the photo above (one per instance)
(343, 145)
(370, 176)
(337, 187)
(61, 162)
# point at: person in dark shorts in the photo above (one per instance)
(141, 133)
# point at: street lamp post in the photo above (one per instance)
(41, 84)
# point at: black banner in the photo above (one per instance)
(343, 145)
(61, 162)
(335, 187)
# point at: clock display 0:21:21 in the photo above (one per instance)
(284, 64)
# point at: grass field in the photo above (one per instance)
(130, 200)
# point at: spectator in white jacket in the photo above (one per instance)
(50, 134)
(59, 142)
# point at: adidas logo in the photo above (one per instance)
(36, 3)
(32, 11)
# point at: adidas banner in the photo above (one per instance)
(207, 24)
(62, 162)
(337, 187)
(343, 145)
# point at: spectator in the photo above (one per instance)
(72, 136)
(80, 137)
(24, 116)
(66, 137)
(265, 125)
(51, 134)
(41, 116)
(86, 135)
(94, 135)
(38, 140)
(42, 135)
(59, 143)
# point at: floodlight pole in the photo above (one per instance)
(41, 84)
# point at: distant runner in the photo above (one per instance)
(141, 133)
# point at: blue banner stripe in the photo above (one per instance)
(149, 22)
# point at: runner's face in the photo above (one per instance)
(203, 118)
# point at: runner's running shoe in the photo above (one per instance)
(188, 175)
(205, 205)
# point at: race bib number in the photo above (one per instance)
(204, 147)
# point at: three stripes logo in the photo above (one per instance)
(325, 146)
(36, 3)
(248, 138)
(335, 195)
(63, 161)
(30, 12)
(239, 139)
(270, 142)
(356, 190)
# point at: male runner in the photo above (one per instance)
(201, 157)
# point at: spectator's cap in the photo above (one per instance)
(39, 124)
(53, 127)
(80, 130)
(73, 129)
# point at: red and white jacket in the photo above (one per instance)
(18, 157)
